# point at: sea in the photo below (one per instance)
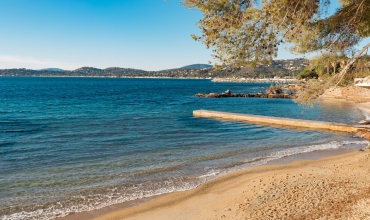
(77, 144)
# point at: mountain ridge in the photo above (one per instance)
(53, 69)
(281, 68)
(196, 66)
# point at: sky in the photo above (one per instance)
(68, 34)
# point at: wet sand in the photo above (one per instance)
(335, 187)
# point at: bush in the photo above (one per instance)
(362, 74)
(308, 74)
(310, 90)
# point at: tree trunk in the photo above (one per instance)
(327, 67)
(334, 65)
(351, 61)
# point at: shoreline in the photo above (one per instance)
(252, 80)
(150, 204)
(109, 77)
(265, 192)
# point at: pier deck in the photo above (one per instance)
(275, 121)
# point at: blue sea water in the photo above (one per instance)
(76, 144)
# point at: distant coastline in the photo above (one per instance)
(258, 80)
(231, 80)
(114, 77)
(278, 68)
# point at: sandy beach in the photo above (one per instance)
(334, 187)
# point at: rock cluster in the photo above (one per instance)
(228, 94)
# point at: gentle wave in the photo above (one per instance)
(117, 194)
(312, 148)
(261, 160)
(15, 131)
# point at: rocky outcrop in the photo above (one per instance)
(228, 94)
(362, 82)
(365, 133)
(365, 122)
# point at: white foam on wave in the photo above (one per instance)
(172, 185)
(307, 149)
(366, 114)
(210, 174)
(99, 201)
(261, 160)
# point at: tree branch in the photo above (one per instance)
(353, 60)
(349, 22)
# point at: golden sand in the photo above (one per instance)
(336, 187)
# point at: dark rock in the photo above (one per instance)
(247, 95)
(277, 89)
(365, 123)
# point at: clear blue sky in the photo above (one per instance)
(141, 34)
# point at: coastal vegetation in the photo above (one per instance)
(325, 73)
(250, 32)
(307, 73)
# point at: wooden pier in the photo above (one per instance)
(282, 122)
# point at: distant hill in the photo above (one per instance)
(53, 69)
(280, 68)
(196, 66)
